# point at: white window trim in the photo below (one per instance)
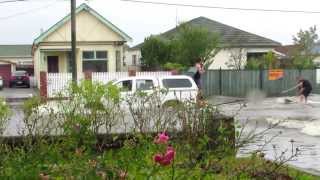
(95, 56)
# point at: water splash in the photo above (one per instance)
(256, 96)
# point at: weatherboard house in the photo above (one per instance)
(100, 45)
(232, 41)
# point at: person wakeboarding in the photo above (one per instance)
(304, 89)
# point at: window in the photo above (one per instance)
(144, 84)
(88, 55)
(176, 83)
(125, 86)
(101, 54)
(94, 55)
(255, 55)
(134, 59)
(95, 61)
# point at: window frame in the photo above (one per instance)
(121, 81)
(95, 55)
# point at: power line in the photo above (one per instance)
(224, 8)
(9, 1)
(27, 12)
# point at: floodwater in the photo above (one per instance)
(296, 126)
(299, 125)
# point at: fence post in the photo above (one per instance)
(88, 75)
(261, 79)
(220, 81)
(174, 72)
(132, 72)
(43, 84)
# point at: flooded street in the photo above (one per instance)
(297, 125)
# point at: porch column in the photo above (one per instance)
(112, 60)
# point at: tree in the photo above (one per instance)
(253, 64)
(237, 59)
(181, 49)
(155, 52)
(192, 43)
(305, 42)
(269, 60)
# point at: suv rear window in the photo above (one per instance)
(144, 84)
(125, 85)
(176, 83)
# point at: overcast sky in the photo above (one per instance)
(21, 22)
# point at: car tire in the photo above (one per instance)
(28, 85)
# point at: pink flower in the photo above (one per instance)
(158, 158)
(166, 159)
(162, 138)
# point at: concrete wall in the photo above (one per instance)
(317, 61)
(129, 59)
(224, 55)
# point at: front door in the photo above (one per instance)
(53, 64)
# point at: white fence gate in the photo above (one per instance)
(57, 82)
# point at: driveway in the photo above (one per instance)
(18, 93)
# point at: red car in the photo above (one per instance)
(19, 79)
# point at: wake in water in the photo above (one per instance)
(307, 126)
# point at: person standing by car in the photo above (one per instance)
(197, 77)
(199, 71)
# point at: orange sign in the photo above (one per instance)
(275, 74)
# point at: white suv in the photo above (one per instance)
(179, 87)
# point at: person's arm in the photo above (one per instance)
(301, 88)
(293, 88)
(201, 69)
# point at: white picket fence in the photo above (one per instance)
(105, 77)
(57, 82)
(156, 74)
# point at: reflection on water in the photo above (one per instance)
(309, 148)
(298, 122)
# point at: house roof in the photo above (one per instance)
(287, 50)
(229, 36)
(290, 50)
(15, 50)
(82, 7)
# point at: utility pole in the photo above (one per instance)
(73, 41)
